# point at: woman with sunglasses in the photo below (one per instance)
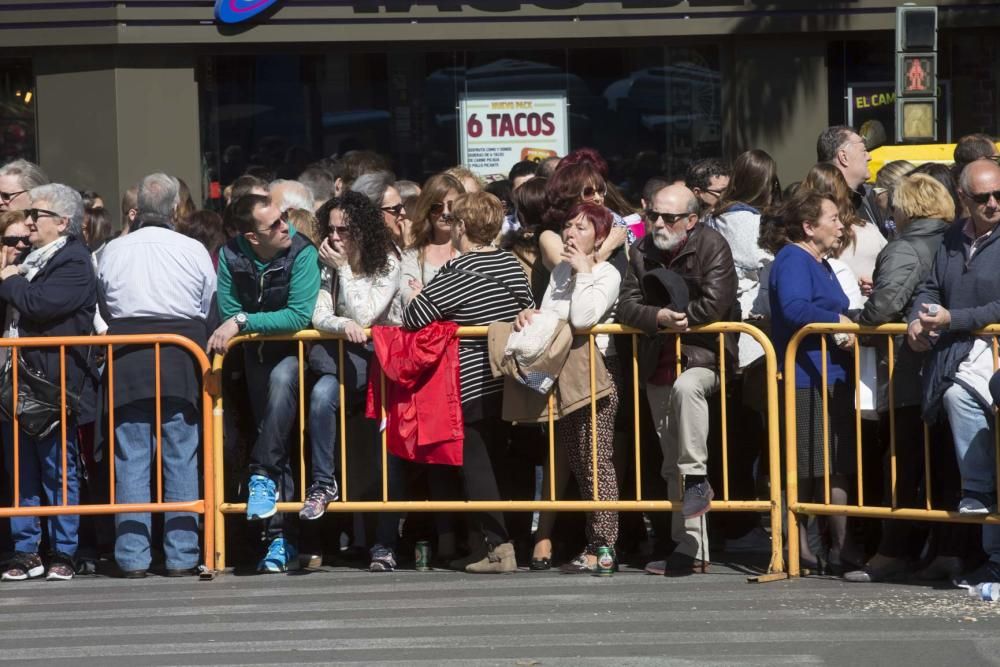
(431, 246)
(52, 292)
(14, 236)
(358, 289)
(380, 188)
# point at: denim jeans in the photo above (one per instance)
(324, 410)
(972, 430)
(135, 456)
(273, 383)
(40, 470)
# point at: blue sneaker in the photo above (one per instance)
(280, 557)
(263, 499)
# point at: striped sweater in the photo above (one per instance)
(473, 301)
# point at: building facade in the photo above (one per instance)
(102, 92)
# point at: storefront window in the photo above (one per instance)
(17, 111)
(649, 110)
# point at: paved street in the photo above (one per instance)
(529, 619)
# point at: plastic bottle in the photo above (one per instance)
(988, 591)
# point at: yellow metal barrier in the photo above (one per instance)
(889, 331)
(772, 505)
(205, 505)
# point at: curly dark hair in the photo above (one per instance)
(367, 230)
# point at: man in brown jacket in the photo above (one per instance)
(676, 241)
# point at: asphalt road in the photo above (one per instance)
(344, 616)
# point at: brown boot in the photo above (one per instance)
(499, 560)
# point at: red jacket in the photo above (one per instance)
(423, 404)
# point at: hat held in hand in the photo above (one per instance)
(666, 289)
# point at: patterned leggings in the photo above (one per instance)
(574, 434)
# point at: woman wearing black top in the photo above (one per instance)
(481, 286)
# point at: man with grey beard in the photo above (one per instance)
(681, 275)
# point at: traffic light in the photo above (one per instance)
(916, 74)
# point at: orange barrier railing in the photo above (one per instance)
(204, 505)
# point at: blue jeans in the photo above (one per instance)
(273, 383)
(972, 430)
(135, 456)
(40, 470)
(324, 410)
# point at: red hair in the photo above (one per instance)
(586, 155)
(599, 216)
(563, 190)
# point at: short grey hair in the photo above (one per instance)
(295, 195)
(158, 197)
(28, 174)
(65, 201)
(373, 185)
(830, 141)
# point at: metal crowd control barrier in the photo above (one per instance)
(889, 331)
(725, 504)
(204, 505)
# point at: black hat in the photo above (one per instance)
(666, 289)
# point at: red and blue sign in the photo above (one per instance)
(237, 11)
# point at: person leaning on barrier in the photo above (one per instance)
(677, 242)
(803, 290)
(962, 294)
(267, 284)
(359, 288)
(53, 292)
(482, 286)
(583, 291)
(156, 281)
(17, 178)
(922, 211)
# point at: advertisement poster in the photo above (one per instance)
(877, 101)
(497, 131)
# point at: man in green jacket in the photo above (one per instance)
(268, 282)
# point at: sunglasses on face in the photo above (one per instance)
(340, 230)
(984, 197)
(717, 193)
(14, 241)
(36, 213)
(668, 218)
(590, 192)
(8, 197)
(439, 207)
(276, 225)
(396, 210)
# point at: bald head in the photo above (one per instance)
(673, 213)
(979, 186)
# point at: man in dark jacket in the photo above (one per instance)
(679, 404)
(845, 149)
(962, 294)
(155, 280)
(267, 284)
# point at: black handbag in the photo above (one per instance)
(39, 400)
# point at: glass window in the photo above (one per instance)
(649, 110)
(17, 111)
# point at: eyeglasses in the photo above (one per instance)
(36, 213)
(717, 193)
(276, 225)
(438, 207)
(590, 192)
(984, 197)
(8, 197)
(14, 241)
(668, 218)
(396, 210)
(340, 230)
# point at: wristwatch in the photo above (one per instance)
(241, 320)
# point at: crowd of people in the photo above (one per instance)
(394, 267)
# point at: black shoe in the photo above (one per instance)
(541, 564)
(184, 572)
(134, 574)
(988, 571)
(578, 565)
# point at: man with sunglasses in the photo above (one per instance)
(17, 178)
(961, 295)
(154, 281)
(268, 282)
(693, 264)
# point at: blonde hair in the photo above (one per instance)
(306, 224)
(434, 191)
(921, 196)
(482, 214)
(461, 172)
(892, 173)
(8, 218)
